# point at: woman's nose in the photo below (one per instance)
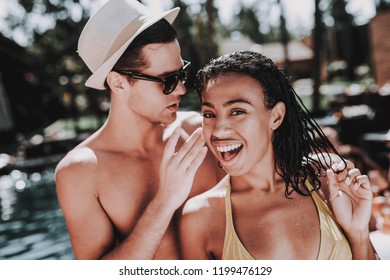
(222, 128)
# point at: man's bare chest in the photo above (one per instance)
(125, 190)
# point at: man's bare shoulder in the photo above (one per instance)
(76, 165)
(78, 157)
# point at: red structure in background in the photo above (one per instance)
(380, 43)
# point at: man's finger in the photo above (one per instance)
(193, 152)
(171, 144)
(197, 161)
(189, 143)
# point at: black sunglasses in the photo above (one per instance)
(169, 82)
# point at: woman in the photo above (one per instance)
(270, 206)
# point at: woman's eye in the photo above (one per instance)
(238, 112)
(207, 115)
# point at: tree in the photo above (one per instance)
(254, 21)
(186, 30)
(284, 38)
(382, 5)
(57, 67)
(206, 25)
(317, 59)
(343, 29)
(248, 24)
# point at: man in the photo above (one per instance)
(120, 188)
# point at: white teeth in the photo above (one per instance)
(228, 148)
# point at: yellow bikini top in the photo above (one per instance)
(333, 244)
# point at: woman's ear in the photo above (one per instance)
(277, 115)
(116, 82)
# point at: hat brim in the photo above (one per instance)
(97, 79)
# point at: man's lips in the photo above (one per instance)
(174, 107)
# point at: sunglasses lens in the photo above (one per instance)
(170, 83)
(172, 80)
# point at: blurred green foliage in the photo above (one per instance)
(61, 73)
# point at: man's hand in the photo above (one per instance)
(178, 169)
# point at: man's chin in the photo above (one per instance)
(168, 120)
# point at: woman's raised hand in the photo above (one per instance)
(350, 196)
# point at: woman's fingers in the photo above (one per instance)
(352, 174)
(354, 180)
(334, 191)
(362, 181)
(341, 169)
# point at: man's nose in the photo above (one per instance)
(180, 89)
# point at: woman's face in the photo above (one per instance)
(236, 125)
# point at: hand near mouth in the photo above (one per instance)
(177, 170)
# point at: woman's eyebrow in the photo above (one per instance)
(207, 104)
(237, 100)
(227, 103)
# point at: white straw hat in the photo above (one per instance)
(110, 31)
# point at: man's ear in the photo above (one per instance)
(116, 82)
(277, 115)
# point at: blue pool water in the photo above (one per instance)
(32, 226)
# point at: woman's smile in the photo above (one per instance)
(228, 152)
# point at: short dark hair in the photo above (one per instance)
(294, 140)
(132, 59)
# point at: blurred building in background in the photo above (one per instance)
(300, 53)
(379, 29)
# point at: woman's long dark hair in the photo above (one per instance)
(298, 137)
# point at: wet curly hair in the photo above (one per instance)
(298, 137)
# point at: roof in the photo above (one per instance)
(297, 50)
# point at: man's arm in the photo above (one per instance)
(91, 231)
(145, 238)
(177, 173)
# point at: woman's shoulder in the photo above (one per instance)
(207, 201)
(202, 215)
